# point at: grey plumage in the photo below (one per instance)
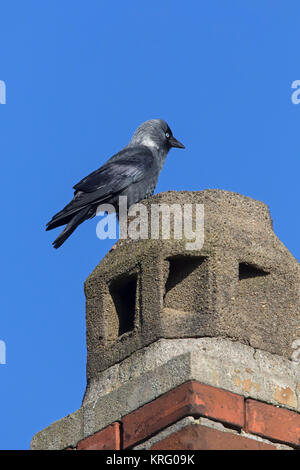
(132, 172)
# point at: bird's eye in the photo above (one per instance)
(167, 135)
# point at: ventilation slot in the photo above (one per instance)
(123, 293)
(248, 271)
(184, 289)
(180, 268)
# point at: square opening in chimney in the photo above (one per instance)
(185, 288)
(123, 293)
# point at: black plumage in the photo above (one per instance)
(132, 172)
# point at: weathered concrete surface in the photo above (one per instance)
(61, 434)
(167, 363)
(243, 284)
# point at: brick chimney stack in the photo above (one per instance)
(192, 349)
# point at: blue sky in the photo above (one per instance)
(80, 77)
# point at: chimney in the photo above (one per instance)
(191, 349)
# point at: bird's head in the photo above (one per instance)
(155, 134)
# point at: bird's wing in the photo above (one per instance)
(128, 166)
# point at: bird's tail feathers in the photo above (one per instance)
(72, 225)
(57, 222)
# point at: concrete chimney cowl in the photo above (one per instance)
(159, 315)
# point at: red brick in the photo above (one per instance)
(197, 437)
(189, 399)
(274, 423)
(106, 439)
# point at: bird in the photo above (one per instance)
(132, 172)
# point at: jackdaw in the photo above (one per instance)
(132, 172)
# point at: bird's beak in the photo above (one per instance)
(175, 143)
